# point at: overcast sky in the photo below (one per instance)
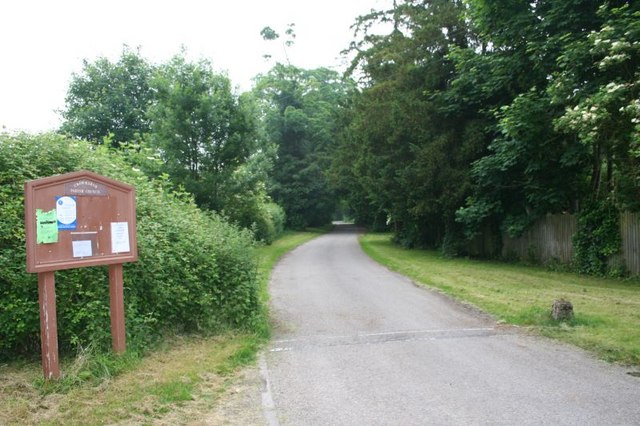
(42, 42)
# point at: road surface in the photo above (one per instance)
(355, 344)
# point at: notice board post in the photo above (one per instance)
(77, 220)
(48, 324)
(116, 296)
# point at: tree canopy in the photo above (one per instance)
(110, 99)
(487, 114)
(468, 117)
(191, 127)
(199, 128)
(301, 116)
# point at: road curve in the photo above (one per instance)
(355, 344)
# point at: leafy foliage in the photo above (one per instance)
(182, 120)
(564, 137)
(481, 116)
(195, 271)
(199, 128)
(597, 239)
(405, 151)
(301, 117)
(599, 85)
(110, 99)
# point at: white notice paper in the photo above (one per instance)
(82, 248)
(120, 237)
(66, 212)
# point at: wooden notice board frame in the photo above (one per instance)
(100, 202)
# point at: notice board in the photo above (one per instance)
(79, 219)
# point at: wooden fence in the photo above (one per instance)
(550, 239)
(630, 228)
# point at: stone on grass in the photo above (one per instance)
(562, 310)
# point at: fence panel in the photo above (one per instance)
(630, 230)
(550, 238)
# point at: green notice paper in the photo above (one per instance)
(46, 227)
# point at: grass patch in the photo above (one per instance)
(174, 391)
(177, 383)
(89, 367)
(184, 373)
(607, 311)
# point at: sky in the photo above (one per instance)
(43, 42)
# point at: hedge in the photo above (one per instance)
(195, 271)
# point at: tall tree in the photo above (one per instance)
(485, 114)
(301, 117)
(109, 98)
(532, 167)
(200, 127)
(598, 84)
(412, 157)
(186, 116)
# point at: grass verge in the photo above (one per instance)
(177, 383)
(607, 311)
(184, 377)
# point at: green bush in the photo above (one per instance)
(597, 238)
(256, 212)
(273, 220)
(195, 271)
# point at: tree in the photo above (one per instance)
(200, 128)
(301, 116)
(109, 99)
(484, 115)
(406, 145)
(521, 176)
(598, 84)
(183, 120)
(556, 134)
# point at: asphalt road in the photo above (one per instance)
(356, 344)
